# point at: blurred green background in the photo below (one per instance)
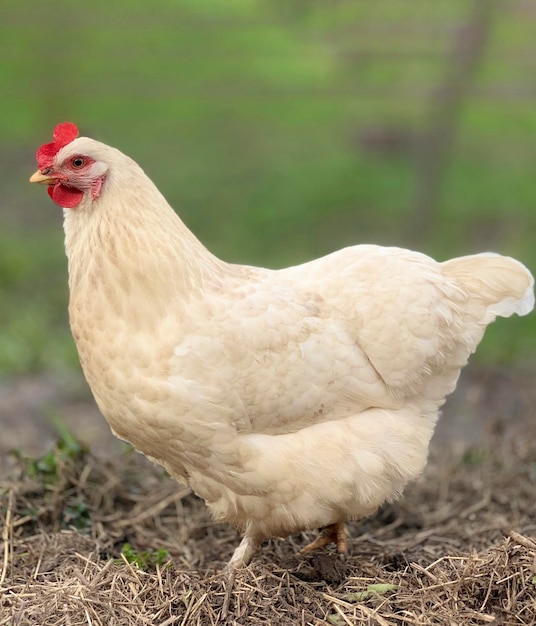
(280, 131)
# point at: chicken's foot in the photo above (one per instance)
(241, 557)
(230, 575)
(334, 533)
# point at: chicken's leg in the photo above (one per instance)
(334, 533)
(241, 557)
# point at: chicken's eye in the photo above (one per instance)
(78, 162)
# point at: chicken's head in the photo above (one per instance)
(69, 173)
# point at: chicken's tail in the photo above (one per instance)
(505, 286)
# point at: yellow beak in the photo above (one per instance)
(42, 179)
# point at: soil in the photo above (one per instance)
(106, 538)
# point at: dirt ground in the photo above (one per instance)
(105, 538)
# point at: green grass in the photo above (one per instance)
(247, 115)
(146, 560)
(34, 331)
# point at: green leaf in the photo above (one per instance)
(76, 515)
(374, 589)
(145, 560)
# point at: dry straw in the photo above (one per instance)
(459, 549)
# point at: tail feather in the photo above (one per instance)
(504, 285)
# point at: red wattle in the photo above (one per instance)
(66, 197)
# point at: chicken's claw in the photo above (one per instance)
(230, 575)
(334, 533)
(241, 557)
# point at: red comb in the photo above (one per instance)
(63, 134)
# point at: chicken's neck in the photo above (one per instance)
(133, 253)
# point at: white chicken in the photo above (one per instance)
(288, 400)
